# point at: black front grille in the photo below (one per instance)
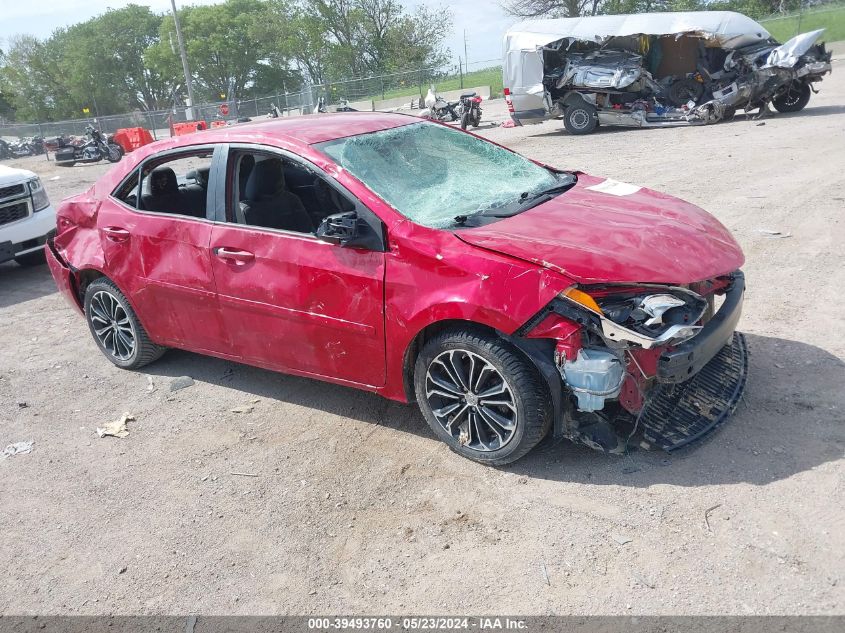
(14, 212)
(679, 414)
(12, 190)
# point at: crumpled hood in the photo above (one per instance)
(603, 231)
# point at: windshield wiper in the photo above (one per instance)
(525, 201)
(529, 200)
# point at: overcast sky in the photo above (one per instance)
(485, 22)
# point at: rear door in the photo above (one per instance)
(290, 301)
(161, 257)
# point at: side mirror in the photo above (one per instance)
(340, 228)
(192, 175)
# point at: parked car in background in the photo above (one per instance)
(26, 217)
(506, 297)
(655, 69)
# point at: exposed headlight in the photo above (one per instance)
(40, 200)
(647, 316)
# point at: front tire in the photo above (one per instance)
(115, 153)
(481, 396)
(465, 120)
(580, 118)
(795, 99)
(116, 328)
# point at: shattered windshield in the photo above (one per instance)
(435, 176)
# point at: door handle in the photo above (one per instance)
(234, 255)
(116, 234)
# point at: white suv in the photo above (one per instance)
(27, 220)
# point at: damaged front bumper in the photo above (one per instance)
(622, 389)
(687, 359)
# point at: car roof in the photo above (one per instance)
(309, 129)
(297, 133)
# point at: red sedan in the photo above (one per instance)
(507, 298)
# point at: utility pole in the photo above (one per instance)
(184, 58)
(466, 55)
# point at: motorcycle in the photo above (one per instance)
(343, 106)
(96, 148)
(21, 148)
(438, 109)
(36, 143)
(470, 109)
(55, 143)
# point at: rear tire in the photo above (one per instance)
(794, 99)
(35, 258)
(455, 370)
(580, 118)
(685, 90)
(116, 328)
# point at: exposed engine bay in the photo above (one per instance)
(651, 365)
(655, 80)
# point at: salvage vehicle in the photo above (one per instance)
(506, 297)
(26, 217)
(655, 69)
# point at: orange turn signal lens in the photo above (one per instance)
(583, 299)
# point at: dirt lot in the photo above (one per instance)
(357, 508)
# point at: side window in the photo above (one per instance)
(176, 184)
(127, 192)
(274, 192)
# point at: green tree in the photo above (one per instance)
(118, 43)
(358, 38)
(34, 81)
(98, 64)
(228, 46)
(7, 108)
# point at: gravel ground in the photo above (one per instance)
(355, 507)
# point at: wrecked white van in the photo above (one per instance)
(655, 69)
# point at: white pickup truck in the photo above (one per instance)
(27, 220)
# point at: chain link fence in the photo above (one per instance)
(413, 84)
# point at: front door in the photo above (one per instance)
(290, 301)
